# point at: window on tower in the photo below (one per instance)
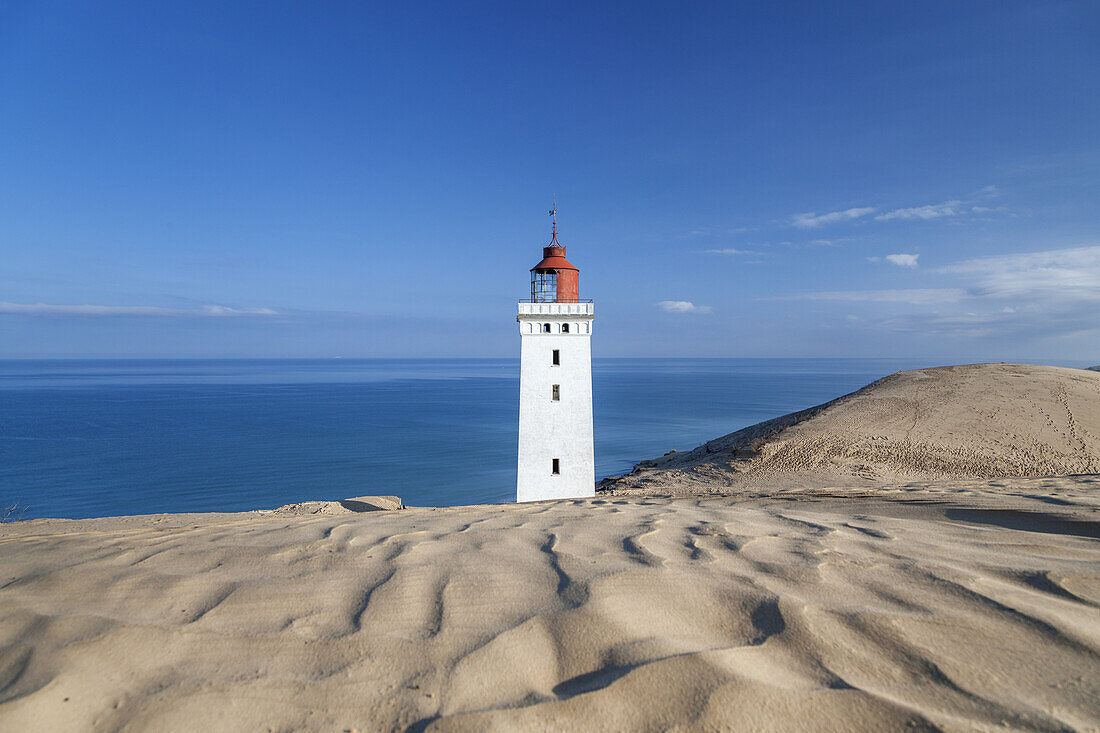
(555, 393)
(555, 466)
(565, 328)
(546, 328)
(555, 358)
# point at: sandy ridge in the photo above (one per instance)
(973, 421)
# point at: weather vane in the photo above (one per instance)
(554, 229)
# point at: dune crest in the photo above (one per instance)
(973, 421)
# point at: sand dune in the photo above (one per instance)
(974, 421)
(973, 607)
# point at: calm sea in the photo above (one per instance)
(102, 438)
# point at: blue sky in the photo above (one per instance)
(364, 179)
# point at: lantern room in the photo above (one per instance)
(555, 279)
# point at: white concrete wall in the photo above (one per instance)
(549, 429)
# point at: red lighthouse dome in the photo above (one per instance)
(554, 279)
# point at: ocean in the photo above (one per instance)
(111, 437)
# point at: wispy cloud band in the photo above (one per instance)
(930, 211)
(731, 251)
(1025, 295)
(915, 296)
(47, 309)
(811, 220)
(1060, 274)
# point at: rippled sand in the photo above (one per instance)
(962, 606)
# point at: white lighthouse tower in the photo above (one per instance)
(556, 457)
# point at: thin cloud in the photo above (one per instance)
(713, 232)
(731, 251)
(1021, 323)
(1024, 296)
(903, 260)
(221, 310)
(915, 296)
(947, 209)
(47, 309)
(975, 204)
(931, 211)
(814, 243)
(1071, 274)
(811, 220)
(683, 306)
(970, 325)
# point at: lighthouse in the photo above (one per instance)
(556, 457)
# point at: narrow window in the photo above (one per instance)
(555, 393)
(546, 328)
(556, 358)
(554, 468)
(565, 328)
